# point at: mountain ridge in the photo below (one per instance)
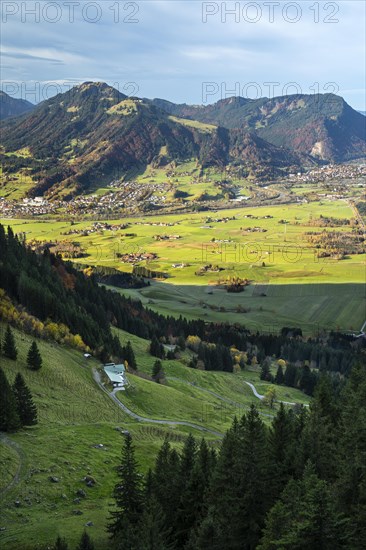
(93, 134)
(322, 125)
(12, 107)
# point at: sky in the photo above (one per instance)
(186, 51)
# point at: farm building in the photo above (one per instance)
(116, 374)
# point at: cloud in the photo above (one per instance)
(169, 52)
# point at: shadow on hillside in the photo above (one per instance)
(262, 306)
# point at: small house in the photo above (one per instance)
(116, 374)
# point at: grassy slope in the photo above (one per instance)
(74, 415)
(230, 386)
(311, 306)
(9, 463)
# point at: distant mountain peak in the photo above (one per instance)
(320, 125)
(11, 107)
(87, 135)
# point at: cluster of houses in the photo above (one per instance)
(27, 207)
(134, 191)
(158, 224)
(132, 258)
(129, 196)
(330, 172)
(96, 228)
(166, 237)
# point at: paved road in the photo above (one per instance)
(139, 418)
(262, 396)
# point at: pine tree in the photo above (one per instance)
(193, 506)
(157, 371)
(9, 346)
(223, 496)
(34, 359)
(129, 356)
(153, 530)
(280, 442)
(320, 437)
(156, 348)
(279, 378)
(265, 370)
(9, 417)
(60, 544)
(188, 496)
(209, 536)
(304, 517)
(26, 408)
(85, 542)
(166, 483)
(290, 376)
(127, 493)
(351, 452)
(252, 480)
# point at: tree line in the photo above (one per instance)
(17, 408)
(51, 289)
(297, 484)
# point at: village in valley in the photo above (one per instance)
(131, 198)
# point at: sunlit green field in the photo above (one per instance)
(282, 247)
(289, 284)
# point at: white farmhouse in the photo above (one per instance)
(116, 374)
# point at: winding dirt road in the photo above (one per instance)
(139, 418)
(5, 440)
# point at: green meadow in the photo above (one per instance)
(76, 417)
(267, 245)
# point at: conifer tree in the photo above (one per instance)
(60, 544)
(187, 489)
(319, 437)
(193, 506)
(153, 530)
(223, 495)
(127, 494)
(290, 376)
(279, 378)
(166, 483)
(26, 408)
(85, 542)
(280, 440)
(9, 417)
(34, 359)
(129, 356)
(156, 348)
(157, 371)
(251, 480)
(304, 517)
(265, 370)
(351, 463)
(209, 536)
(9, 347)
